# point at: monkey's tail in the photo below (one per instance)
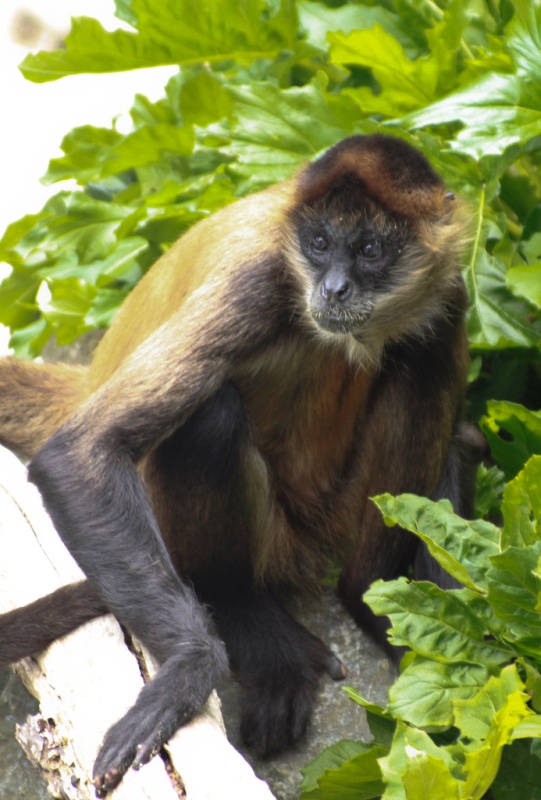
(30, 629)
(35, 399)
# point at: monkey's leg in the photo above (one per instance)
(203, 470)
(278, 664)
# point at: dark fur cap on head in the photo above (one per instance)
(390, 171)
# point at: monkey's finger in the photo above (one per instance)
(106, 783)
(148, 750)
(334, 668)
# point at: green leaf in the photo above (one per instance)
(514, 591)
(85, 150)
(528, 728)
(274, 131)
(67, 308)
(463, 548)
(481, 766)
(442, 626)
(493, 112)
(319, 20)
(381, 724)
(358, 777)
(125, 12)
(204, 99)
(513, 433)
(496, 318)
(103, 308)
(28, 341)
(521, 506)
(475, 716)
(18, 305)
(418, 768)
(123, 263)
(406, 84)
(148, 145)
(331, 757)
(526, 282)
(428, 778)
(533, 683)
(206, 31)
(424, 693)
(498, 110)
(490, 483)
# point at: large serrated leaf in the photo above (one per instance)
(496, 317)
(498, 110)
(514, 591)
(358, 777)
(274, 130)
(424, 693)
(407, 84)
(436, 624)
(462, 547)
(481, 766)
(526, 282)
(206, 31)
(514, 434)
(417, 763)
(521, 506)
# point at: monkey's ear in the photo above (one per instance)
(388, 169)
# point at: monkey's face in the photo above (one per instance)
(350, 258)
(371, 274)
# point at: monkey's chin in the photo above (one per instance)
(340, 321)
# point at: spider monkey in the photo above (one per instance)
(298, 352)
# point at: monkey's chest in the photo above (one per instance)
(306, 426)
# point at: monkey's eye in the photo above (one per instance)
(371, 249)
(319, 243)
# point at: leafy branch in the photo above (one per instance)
(262, 87)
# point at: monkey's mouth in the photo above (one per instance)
(339, 320)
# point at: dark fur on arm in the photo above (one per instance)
(135, 577)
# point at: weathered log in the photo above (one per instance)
(86, 681)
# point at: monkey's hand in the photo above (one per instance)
(172, 698)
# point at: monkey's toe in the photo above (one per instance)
(334, 668)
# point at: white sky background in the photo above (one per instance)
(35, 117)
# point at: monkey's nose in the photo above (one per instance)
(336, 290)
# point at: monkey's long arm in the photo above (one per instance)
(88, 478)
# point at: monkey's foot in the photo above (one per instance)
(277, 707)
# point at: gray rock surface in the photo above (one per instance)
(19, 780)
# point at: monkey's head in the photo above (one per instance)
(376, 241)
